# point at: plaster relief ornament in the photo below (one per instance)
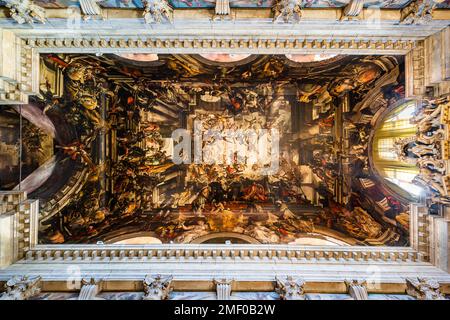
(157, 287)
(222, 10)
(25, 11)
(357, 289)
(289, 10)
(423, 289)
(21, 288)
(290, 288)
(155, 11)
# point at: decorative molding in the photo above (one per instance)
(90, 288)
(88, 253)
(157, 287)
(25, 11)
(21, 288)
(222, 10)
(290, 288)
(252, 45)
(423, 289)
(352, 10)
(156, 11)
(289, 10)
(357, 289)
(223, 288)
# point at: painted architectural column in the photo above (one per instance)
(18, 226)
(19, 69)
(428, 66)
(437, 63)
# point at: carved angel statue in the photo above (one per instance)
(423, 289)
(21, 288)
(25, 11)
(157, 287)
(155, 11)
(290, 288)
(289, 10)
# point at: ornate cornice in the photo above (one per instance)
(86, 253)
(238, 43)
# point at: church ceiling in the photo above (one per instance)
(115, 169)
(182, 4)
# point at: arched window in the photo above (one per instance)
(399, 174)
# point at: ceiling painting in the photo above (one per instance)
(284, 149)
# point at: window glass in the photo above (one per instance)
(396, 125)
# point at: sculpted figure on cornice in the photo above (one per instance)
(289, 10)
(156, 11)
(157, 287)
(290, 288)
(428, 148)
(25, 11)
(419, 11)
(21, 288)
(424, 289)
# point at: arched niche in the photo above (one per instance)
(395, 174)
